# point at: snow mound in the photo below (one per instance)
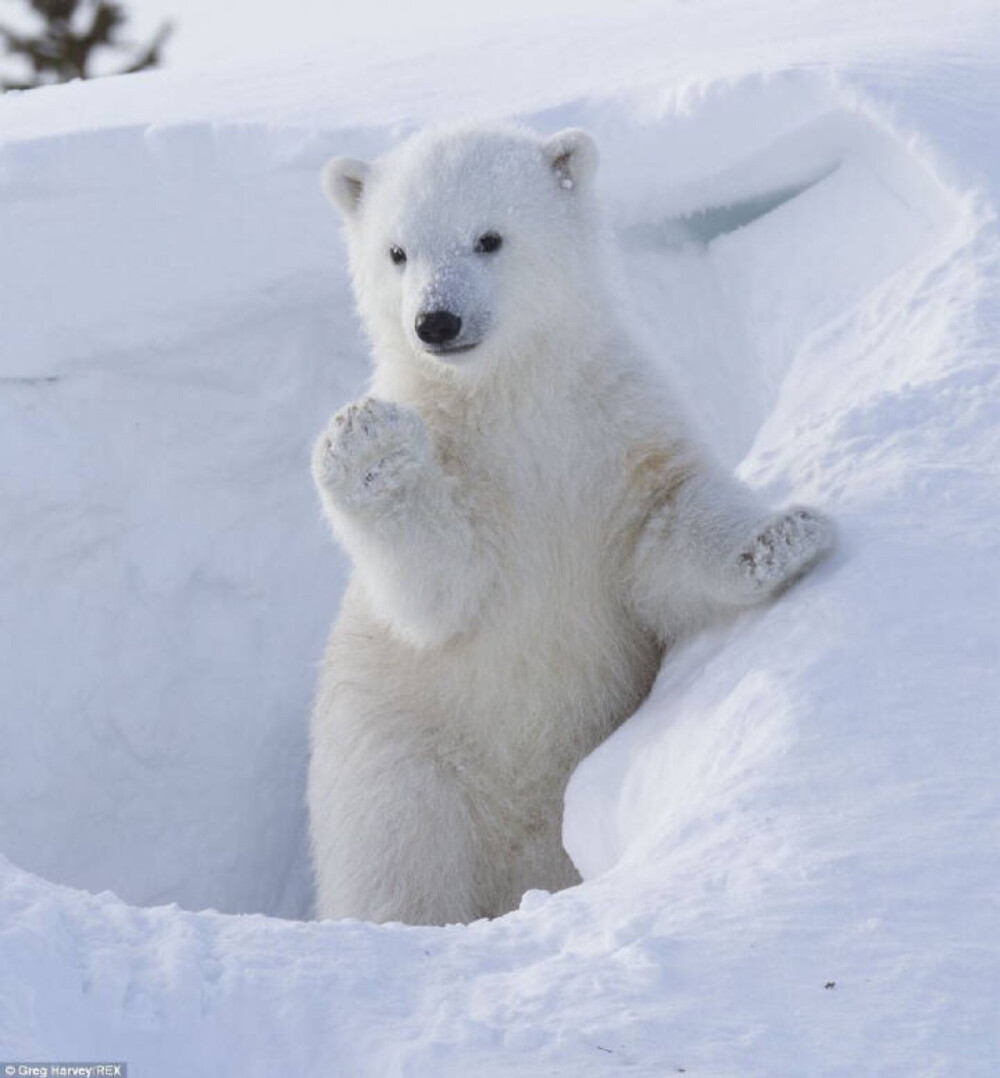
(806, 799)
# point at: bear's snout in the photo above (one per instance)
(438, 327)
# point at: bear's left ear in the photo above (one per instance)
(572, 155)
(344, 183)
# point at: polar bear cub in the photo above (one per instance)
(531, 526)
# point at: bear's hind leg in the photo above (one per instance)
(392, 834)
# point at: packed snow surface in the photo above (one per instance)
(791, 853)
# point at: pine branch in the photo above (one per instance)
(58, 52)
(150, 56)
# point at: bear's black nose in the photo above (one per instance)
(438, 327)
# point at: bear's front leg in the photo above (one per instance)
(713, 547)
(400, 517)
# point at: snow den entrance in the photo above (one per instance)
(167, 580)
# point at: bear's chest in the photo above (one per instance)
(549, 493)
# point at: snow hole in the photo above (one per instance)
(167, 580)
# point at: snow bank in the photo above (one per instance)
(808, 797)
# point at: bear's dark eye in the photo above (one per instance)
(488, 242)
(397, 254)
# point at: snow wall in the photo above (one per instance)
(813, 258)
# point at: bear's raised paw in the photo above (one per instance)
(784, 548)
(370, 451)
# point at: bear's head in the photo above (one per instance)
(470, 246)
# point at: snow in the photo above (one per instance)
(804, 201)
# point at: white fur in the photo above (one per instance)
(530, 523)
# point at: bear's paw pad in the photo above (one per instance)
(369, 450)
(785, 547)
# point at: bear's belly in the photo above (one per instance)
(564, 680)
(525, 696)
(500, 716)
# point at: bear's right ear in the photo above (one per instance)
(344, 183)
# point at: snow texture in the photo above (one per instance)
(791, 853)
